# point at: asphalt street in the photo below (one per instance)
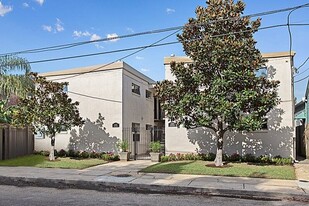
(12, 195)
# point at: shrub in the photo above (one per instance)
(225, 157)
(282, 161)
(84, 154)
(44, 153)
(73, 153)
(249, 158)
(123, 145)
(235, 157)
(172, 157)
(155, 146)
(264, 159)
(62, 153)
(191, 156)
(110, 157)
(164, 158)
(94, 154)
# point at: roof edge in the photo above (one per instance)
(185, 59)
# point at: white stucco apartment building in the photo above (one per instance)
(278, 138)
(120, 93)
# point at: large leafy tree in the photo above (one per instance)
(219, 90)
(48, 109)
(13, 76)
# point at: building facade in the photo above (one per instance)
(123, 97)
(277, 138)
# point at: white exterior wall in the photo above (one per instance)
(277, 140)
(137, 108)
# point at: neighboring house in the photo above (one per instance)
(301, 119)
(276, 137)
(120, 93)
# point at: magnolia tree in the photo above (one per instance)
(48, 109)
(219, 90)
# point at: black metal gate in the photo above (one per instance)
(139, 141)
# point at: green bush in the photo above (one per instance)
(235, 157)
(249, 158)
(155, 146)
(44, 153)
(73, 153)
(110, 157)
(62, 153)
(84, 154)
(94, 154)
(164, 158)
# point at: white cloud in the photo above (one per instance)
(41, 2)
(47, 28)
(26, 5)
(130, 30)
(145, 70)
(170, 11)
(59, 26)
(95, 37)
(113, 37)
(81, 33)
(98, 46)
(5, 9)
(139, 58)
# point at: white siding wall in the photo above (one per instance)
(277, 140)
(137, 108)
(106, 85)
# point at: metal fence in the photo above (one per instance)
(15, 142)
(139, 141)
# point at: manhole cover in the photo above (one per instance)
(122, 175)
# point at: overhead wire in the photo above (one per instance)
(66, 46)
(154, 45)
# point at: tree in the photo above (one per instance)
(219, 90)
(12, 82)
(48, 109)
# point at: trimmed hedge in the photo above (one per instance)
(109, 156)
(249, 158)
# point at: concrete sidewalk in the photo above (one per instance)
(125, 176)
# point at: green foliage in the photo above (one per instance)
(110, 157)
(84, 154)
(5, 112)
(235, 157)
(155, 146)
(12, 83)
(48, 109)
(62, 153)
(123, 145)
(218, 89)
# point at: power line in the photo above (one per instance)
(66, 46)
(124, 57)
(154, 45)
(301, 67)
(93, 97)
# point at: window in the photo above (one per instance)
(148, 127)
(136, 89)
(261, 72)
(135, 127)
(148, 94)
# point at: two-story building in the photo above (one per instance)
(277, 136)
(121, 94)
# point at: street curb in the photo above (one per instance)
(142, 188)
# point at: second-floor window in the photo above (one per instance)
(148, 94)
(136, 89)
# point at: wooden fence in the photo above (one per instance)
(15, 142)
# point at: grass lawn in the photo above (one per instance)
(232, 169)
(42, 161)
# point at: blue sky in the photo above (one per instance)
(29, 24)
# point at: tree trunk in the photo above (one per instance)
(218, 160)
(52, 148)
